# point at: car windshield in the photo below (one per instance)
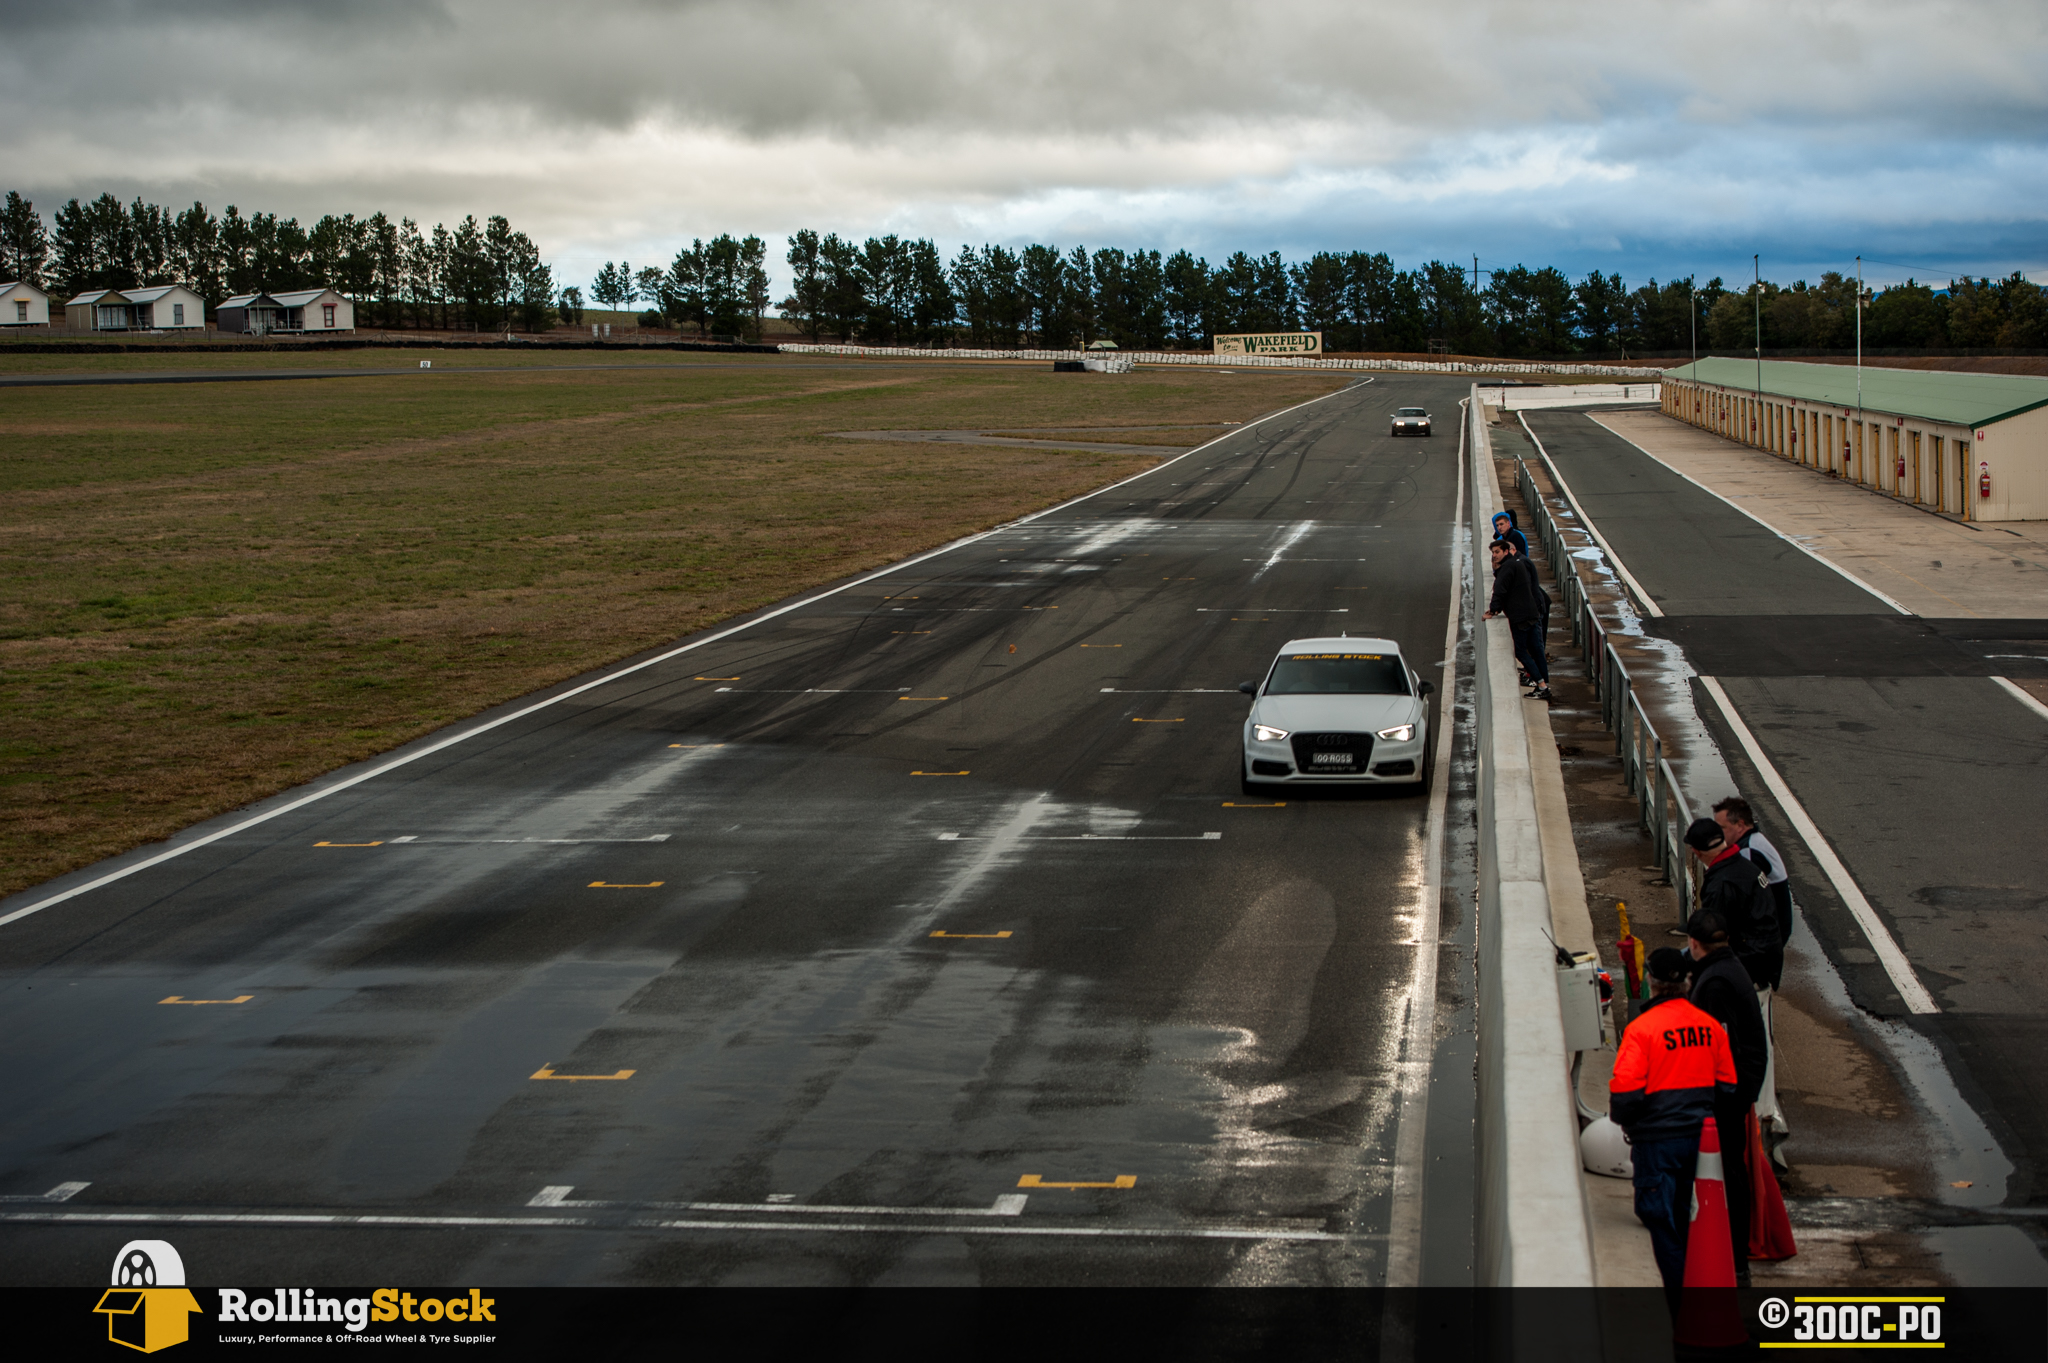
(1338, 674)
(1411, 411)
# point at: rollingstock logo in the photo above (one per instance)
(148, 1307)
(300, 1306)
(1851, 1322)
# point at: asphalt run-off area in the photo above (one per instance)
(1924, 773)
(913, 931)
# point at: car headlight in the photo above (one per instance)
(1266, 733)
(1400, 733)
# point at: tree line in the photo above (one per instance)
(720, 287)
(894, 291)
(890, 291)
(476, 275)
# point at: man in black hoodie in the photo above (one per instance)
(1721, 988)
(1519, 596)
(1738, 889)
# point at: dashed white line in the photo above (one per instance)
(63, 1192)
(1096, 837)
(557, 1195)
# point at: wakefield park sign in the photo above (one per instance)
(1272, 343)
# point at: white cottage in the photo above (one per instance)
(167, 307)
(22, 304)
(160, 307)
(307, 311)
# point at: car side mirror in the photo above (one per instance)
(1249, 688)
(1425, 689)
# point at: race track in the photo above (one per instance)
(916, 932)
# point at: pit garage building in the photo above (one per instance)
(22, 304)
(1971, 445)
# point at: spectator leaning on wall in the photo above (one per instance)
(1520, 597)
(1673, 1066)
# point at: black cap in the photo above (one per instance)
(1703, 834)
(1669, 965)
(1707, 925)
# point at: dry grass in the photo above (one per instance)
(221, 590)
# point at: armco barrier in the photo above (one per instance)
(1661, 806)
(1533, 1229)
(1196, 357)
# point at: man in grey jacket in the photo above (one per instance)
(1738, 826)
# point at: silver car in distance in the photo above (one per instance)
(1337, 711)
(1410, 421)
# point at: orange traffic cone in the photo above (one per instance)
(1709, 1317)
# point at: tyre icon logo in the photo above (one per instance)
(1773, 1312)
(135, 1269)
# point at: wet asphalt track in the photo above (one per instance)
(723, 880)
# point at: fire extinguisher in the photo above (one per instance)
(1983, 480)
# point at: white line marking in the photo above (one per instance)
(644, 1223)
(1895, 964)
(2021, 695)
(1272, 610)
(611, 677)
(1418, 1034)
(1293, 537)
(814, 690)
(63, 1192)
(1642, 597)
(1009, 1204)
(1175, 691)
(1793, 540)
(1096, 837)
(488, 842)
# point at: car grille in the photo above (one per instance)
(1357, 750)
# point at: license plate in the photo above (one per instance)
(1330, 759)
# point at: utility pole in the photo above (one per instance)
(1693, 290)
(1757, 289)
(1859, 348)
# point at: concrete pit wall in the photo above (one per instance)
(1533, 1227)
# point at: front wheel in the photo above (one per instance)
(1428, 764)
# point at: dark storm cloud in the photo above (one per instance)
(1584, 128)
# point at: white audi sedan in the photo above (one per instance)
(1337, 711)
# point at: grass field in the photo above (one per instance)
(220, 590)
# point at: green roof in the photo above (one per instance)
(1945, 396)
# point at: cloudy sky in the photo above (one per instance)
(1643, 139)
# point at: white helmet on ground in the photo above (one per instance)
(1603, 1149)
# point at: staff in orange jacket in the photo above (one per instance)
(1674, 1062)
